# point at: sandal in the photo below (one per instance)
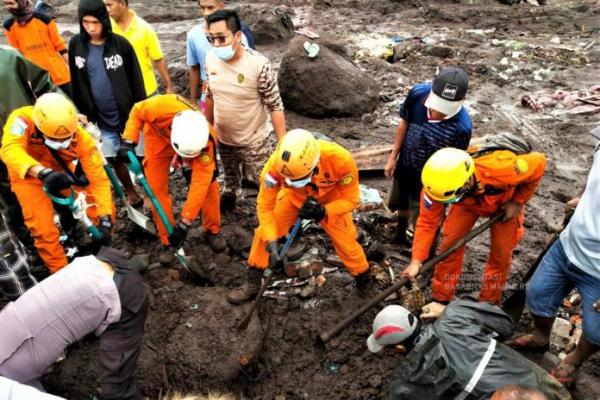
(526, 343)
(564, 373)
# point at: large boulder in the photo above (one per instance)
(268, 23)
(329, 85)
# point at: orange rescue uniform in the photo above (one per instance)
(501, 176)
(155, 115)
(334, 185)
(40, 42)
(22, 148)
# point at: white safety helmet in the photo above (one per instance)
(189, 133)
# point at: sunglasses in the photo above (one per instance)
(219, 39)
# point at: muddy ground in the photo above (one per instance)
(187, 348)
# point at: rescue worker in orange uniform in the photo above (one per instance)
(37, 140)
(500, 181)
(172, 126)
(311, 179)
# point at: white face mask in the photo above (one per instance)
(54, 145)
(299, 183)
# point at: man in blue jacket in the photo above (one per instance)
(432, 117)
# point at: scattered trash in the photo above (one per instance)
(575, 102)
(307, 32)
(555, 40)
(194, 307)
(589, 46)
(320, 280)
(572, 301)
(332, 368)
(513, 44)
(312, 49)
(561, 333)
(481, 32)
(370, 198)
(188, 325)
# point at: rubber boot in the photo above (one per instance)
(364, 283)
(248, 290)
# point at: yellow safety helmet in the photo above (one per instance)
(445, 174)
(297, 154)
(55, 116)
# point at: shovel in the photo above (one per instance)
(133, 214)
(135, 167)
(325, 336)
(77, 207)
(268, 274)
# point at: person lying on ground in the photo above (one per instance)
(572, 262)
(498, 181)
(102, 294)
(39, 147)
(514, 392)
(174, 129)
(107, 81)
(313, 180)
(457, 356)
(432, 117)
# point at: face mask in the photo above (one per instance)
(299, 183)
(453, 201)
(225, 53)
(57, 145)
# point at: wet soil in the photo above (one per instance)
(191, 342)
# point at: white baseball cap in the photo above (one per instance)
(392, 325)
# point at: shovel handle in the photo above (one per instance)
(326, 336)
(135, 167)
(115, 181)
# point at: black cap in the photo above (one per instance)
(448, 90)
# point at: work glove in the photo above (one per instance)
(177, 237)
(105, 227)
(276, 263)
(311, 209)
(55, 181)
(126, 147)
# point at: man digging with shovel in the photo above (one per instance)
(174, 130)
(314, 180)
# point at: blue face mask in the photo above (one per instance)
(224, 53)
(298, 184)
(54, 145)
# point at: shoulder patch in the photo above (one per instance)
(18, 127)
(346, 180)
(270, 181)
(427, 202)
(521, 166)
(205, 157)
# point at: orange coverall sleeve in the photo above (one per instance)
(57, 41)
(203, 168)
(347, 188)
(15, 140)
(93, 167)
(529, 181)
(266, 200)
(12, 40)
(431, 214)
(135, 122)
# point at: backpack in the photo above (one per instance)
(500, 141)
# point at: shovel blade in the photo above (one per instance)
(141, 220)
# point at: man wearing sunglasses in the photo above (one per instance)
(313, 180)
(39, 147)
(242, 94)
(499, 181)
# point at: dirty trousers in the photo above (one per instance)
(156, 168)
(340, 229)
(243, 162)
(38, 213)
(504, 238)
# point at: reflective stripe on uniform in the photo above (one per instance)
(478, 371)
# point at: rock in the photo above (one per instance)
(304, 270)
(316, 268)
(334, 260)
(268, 23)
(296, 251)
(326, 86)
(309, 290)
(561, 331)
(239, 239)
(320, 280)
(291, 270)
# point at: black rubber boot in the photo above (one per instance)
(400, 235)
